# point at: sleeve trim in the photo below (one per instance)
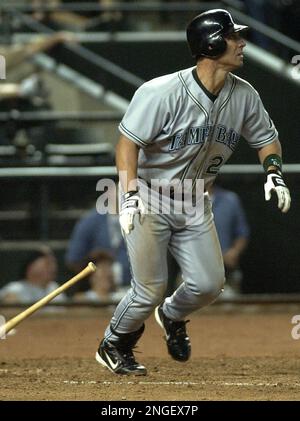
(132, 136)
(261, 143)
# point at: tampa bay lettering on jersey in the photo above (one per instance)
(198, 136)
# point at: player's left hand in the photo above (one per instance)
(131, 205)
(276, 183)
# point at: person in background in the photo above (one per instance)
(96, 231)
(103, 286)
(24, 90)
(17, 53)
(233, 232)
(82, 19)
(37, 279)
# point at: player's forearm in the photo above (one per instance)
(272, 149)
(127, 160)
(271, 158)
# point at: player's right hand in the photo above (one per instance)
(131, 204)
(276, 183)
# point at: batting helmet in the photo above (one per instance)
(206, 32)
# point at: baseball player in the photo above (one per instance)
(183, 126)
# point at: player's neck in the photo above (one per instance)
(211, 76)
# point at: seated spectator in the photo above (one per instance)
(233, 231)
(37, 279)
(98, 231)
(28, 137)
(78, 20)
(17, 53)
(26, 92)
(102, 283)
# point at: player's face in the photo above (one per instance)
(233, 57)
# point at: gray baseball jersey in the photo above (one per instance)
(183, 133)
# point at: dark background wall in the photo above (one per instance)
(271, 262)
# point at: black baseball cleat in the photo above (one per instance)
(118, 356)
(178, 342)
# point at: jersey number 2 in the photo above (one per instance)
(215, 164)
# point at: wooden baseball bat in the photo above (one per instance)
(41, 303)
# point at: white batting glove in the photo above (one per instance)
(276, 183)
(131, 204)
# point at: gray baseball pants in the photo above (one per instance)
(197, 250)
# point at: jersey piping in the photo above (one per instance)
(185, 170)
(131, 135)
(229, 95)
(192, 96)
(211, 96)
(263, 142)
(223, 105)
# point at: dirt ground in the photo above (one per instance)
(238, 353)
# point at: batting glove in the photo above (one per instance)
(276, 183)
(131, 204)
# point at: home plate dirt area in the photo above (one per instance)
(239, 352)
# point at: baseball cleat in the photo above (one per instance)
(118, 356)
(178, 342)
